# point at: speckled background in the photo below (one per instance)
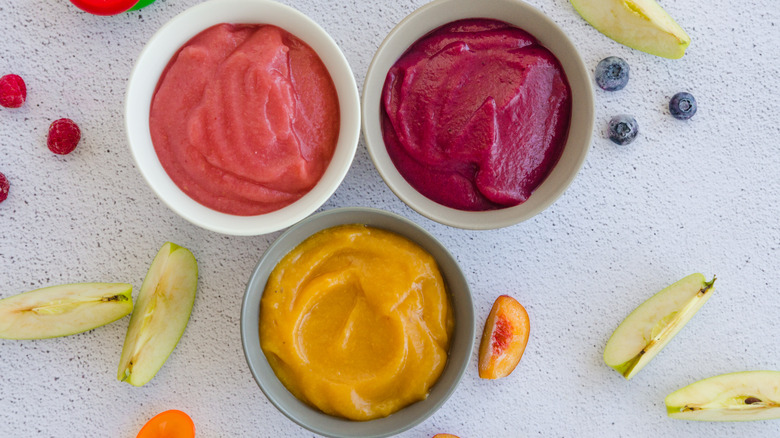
(702, 195)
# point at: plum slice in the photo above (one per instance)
(503, 339)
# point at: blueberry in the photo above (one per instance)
(623, 129)
(682, 106)
(612, 73)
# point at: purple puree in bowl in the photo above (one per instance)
(476, 114)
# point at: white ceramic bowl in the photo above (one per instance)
(524, 16)
(155, 56)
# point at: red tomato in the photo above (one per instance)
(104, 7)
(169, 424)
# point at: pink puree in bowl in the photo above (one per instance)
(245, 118)
(476, 114)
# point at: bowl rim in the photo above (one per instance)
(436, 14)
(465, 325)
(161, 47)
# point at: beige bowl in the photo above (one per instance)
(311, 418)
(520, 14)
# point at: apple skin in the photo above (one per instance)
(162, 310)
(640, 24)
(741, 396)
(647, 330)
(64, 310)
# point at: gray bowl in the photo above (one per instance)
(313, 419)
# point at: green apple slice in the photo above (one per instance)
(63, 310)
(161, 314)
(744, 396)
(647, 330)
(640, 24)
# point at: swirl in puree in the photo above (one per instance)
(245, 118)
(356, 321)
(476, 114)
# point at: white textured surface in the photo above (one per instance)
(702, 195)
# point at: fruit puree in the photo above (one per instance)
(475, 114)
(245, 118)
(356, 321)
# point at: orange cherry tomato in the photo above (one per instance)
(168, 424)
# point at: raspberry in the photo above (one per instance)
(64, 135)
(3, 187)
(13, 92)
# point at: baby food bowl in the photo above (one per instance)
(155, 56)
(517, 13)
(313, 419)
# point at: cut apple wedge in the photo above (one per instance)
(647, 330)
(63, 310)
(161, 314)
(503, 339)
(640, 24)
(744, 396)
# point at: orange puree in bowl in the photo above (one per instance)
(356, 321)
(245, 118)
